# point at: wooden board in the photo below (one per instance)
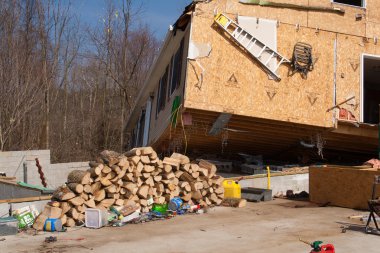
(342, 186)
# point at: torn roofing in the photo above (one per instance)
(143, 95)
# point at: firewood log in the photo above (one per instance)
(107, 202)
(143, 191)
(77, 201)
(110, 189)
(148, 168)
(106, 169)
(70, 222)
(153, 155)
(146, 150)
(133, 152)
(149, 181)
(119, 202)
(145, 159)
(63, 219)
(105, 182)
(194, 167)
(197, 195)
(87, 188)
(75, 187)
(211, 168)
(157, 178)
(135, 160)
(167, 168)
(73, 213)
(79, 176)
(63, 193)
(182, 158)
(123, 162)
(171, 161)
(84, 196)
(139, 167)
(90, 203)
(65, 207)
(99, 195)
(178, 173)
(110, 157)
(95, 171)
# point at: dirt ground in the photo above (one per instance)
(268, 227)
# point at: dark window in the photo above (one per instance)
(359, 3)
(176, 68)
(162, 91)
(140, 130)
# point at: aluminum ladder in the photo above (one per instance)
(269, 58)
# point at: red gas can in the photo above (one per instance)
(328, 248)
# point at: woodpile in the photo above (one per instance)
(137, 177)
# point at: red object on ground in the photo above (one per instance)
(328, 248)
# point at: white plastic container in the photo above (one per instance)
(96, 218)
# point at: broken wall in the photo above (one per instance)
(234, 82)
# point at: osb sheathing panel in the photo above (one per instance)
(338, 23)
(349, 51)
(373, 30)
(314, 19)
(292, 99)
(344, 187)
(373, 13)
(291, 16)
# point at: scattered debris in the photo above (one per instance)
(233, 202)
(50, 239)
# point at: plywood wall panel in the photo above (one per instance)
(349, 51)
(373, 10)
(293, 99)
(339, 23)
(373, 30)
(344, 187)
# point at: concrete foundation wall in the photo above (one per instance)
(12, 163)
(297, 183)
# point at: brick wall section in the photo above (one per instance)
(11, 163)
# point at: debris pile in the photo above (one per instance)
(136, 178)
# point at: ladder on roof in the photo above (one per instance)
(269, 58)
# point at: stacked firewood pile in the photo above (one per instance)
(137, 177)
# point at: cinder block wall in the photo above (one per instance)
(12, 162)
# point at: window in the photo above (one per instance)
(359, 3)
(162, 91)
(176, 69)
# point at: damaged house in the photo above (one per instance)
(265, 77)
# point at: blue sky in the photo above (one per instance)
(159, 14)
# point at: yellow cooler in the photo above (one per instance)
(232, 189)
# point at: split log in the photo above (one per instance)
(153, 155)
(65, 207)
(123, 162)
(75, 187)
(110, 157)
(143, 191)
(52, 212)
(146, 150)
(79, 176)
(157, 178)
(90, 203)
(87, 188)
(145, 159)
(96, 171)
(171, 161)
(63, 193)
(119, 202)
(106, 169)
(211, 168)
(84, 196)
(133, 152)
(63, 219)
(105, 182)
(182, 158)
(99, 195)
(197, 195)
(73, 213)
(77, 201)
(135, 160)
(148, 168)
(167, 168)
(107, 202)
(95, 186)
(70, 222)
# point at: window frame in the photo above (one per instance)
(364, 4)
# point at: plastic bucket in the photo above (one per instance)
(53, 225)
(175, 204)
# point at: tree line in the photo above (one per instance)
(67, 86)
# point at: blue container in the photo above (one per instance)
(175, 204)
(53, 225)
